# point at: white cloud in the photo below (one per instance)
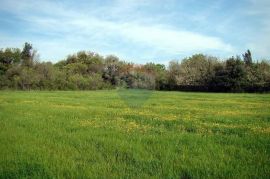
(173, 41)
(81, 30)
(260, 41)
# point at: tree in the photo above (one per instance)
(21, 77)
(263, 74)
(88, 70)
(247, 57)
(193, 73)
(220, 80)
(158, 71)
(173, 74)
(45, 72)
(236, 73)
(8, 57)
(111, 70)
(27, 55)
(196, 70)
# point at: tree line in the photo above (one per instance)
(20, 69)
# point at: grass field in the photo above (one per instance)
(102, 134)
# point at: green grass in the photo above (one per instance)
(98, 134)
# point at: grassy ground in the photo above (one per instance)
(104, 134)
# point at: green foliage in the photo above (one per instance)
(8, 57)
(27, 55)
(236, 73)
(196, 70)
(173, 74)
(158, 72)
(87, 70)
(247, 58)
(111, 70)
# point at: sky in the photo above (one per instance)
(137, 30)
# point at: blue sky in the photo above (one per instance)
(137, 30)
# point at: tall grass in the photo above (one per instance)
(100, 134)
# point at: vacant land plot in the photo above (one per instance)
(106, 134)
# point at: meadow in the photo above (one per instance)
(134, 134)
